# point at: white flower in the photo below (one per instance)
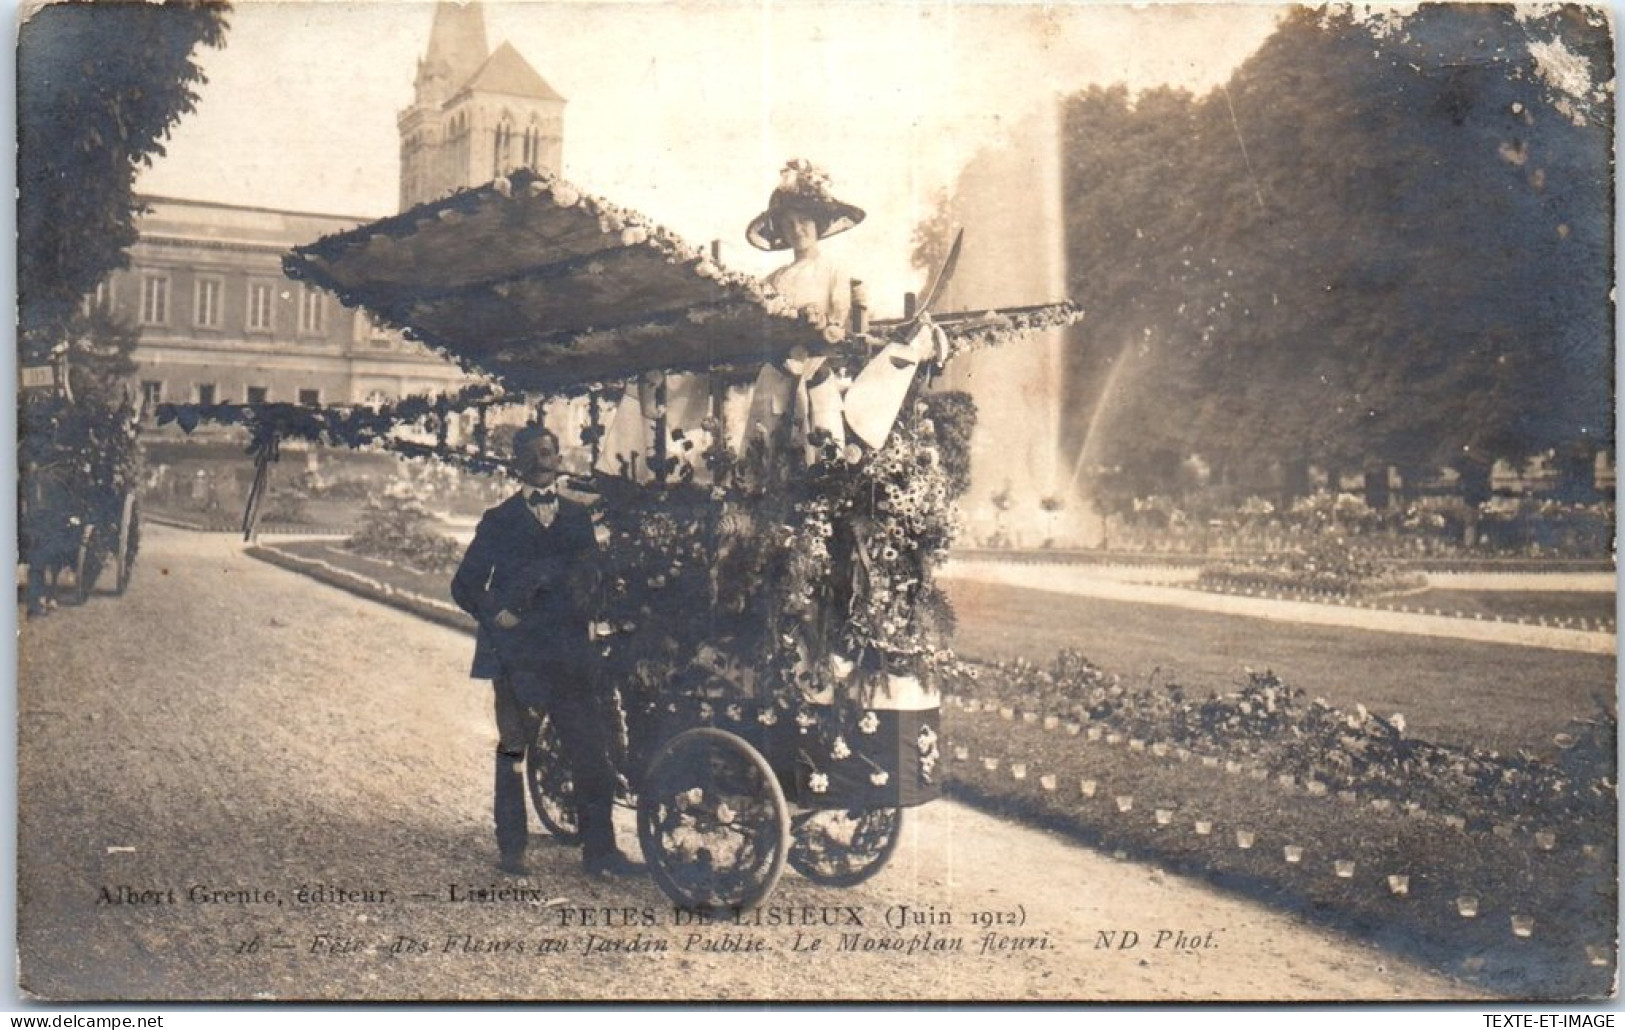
(690, 797)
(767, 716)
(565, 196)
(839, 750)
(736, 713)
(879, 778)
(818, 783)
(869, 723)
(705, 709)
(725, 815)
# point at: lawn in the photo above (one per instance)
(1452, 691)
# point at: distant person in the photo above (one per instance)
(528, 578)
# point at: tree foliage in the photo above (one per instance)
(1383, 241)
(99, 86)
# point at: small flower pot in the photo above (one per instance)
(1287, 780)
(1204, 827)
(1051, 721)
(1315, 788)
(1245, 839)
(1293, 853)
(1007, 713)
(1183, 754)
(1136, 744)
(1344, 868)
(961, 754)
(1523, 926)
(1094, 733)
(1348, 796)
(1233, 768)
(1114, 738)
(1160, 749)
(1018, 770)
(1467, 905)
(1087, 787)
(1381, 804)
(1073, 729)
(1598, 955)
(1029, 717)
(1210, 761)
(1545, 840)
(1258, 773)
(1399, 884)
(1125, 802)
(1047, 781)
(990, 764)
(1502, 830)
(1165, 816)
(1455, 822)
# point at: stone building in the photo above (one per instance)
(218, 319)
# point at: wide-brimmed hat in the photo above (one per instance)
(803, 187)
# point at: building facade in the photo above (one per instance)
(220, 322)
(218, 319)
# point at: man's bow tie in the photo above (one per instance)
(542, 498)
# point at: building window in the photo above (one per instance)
(257, 394)
(152, 393)
(259, 306)
(311, 310)
(310, 398)
(205, 393)
(101, 299)
(155, 300)
(207, 309)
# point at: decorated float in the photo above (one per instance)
(769, 625)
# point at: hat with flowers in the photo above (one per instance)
(803, 188)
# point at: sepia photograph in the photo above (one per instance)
(812, 502)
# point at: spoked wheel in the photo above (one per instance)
(840, 848)
(129, 542)
(552, 786)
(712, 821)
(88, 565)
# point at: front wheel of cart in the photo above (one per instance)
(712, 821)
(842, 848)
(552, 787)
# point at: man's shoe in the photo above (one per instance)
(513, 863)
(613, 864)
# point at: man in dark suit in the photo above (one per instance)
(528, 579)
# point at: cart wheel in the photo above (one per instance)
(712, 821)
(88, 568)
(129, 542)
(552, 787)
(840, 848)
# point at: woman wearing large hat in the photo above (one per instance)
(792, 402)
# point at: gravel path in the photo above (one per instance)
(193, 755)
(1085, 582)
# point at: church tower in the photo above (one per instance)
(475, 114)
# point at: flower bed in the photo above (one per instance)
(1326, 566)
(1390, 837)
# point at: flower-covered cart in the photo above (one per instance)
(768, 628)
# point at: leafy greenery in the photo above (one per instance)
(99, 86)
(1384, 241)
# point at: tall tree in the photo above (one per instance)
(1383, 241)
(99, 86)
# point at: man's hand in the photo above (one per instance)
(505, 619)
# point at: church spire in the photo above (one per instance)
(457, 49)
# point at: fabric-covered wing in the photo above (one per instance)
(543, 287)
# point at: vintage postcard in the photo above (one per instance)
(815, 502)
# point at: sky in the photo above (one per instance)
(686, 111)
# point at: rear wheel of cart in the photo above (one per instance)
(88, 568)
(129, 542)
(713, 821)
(552, 787)
(844, 847)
